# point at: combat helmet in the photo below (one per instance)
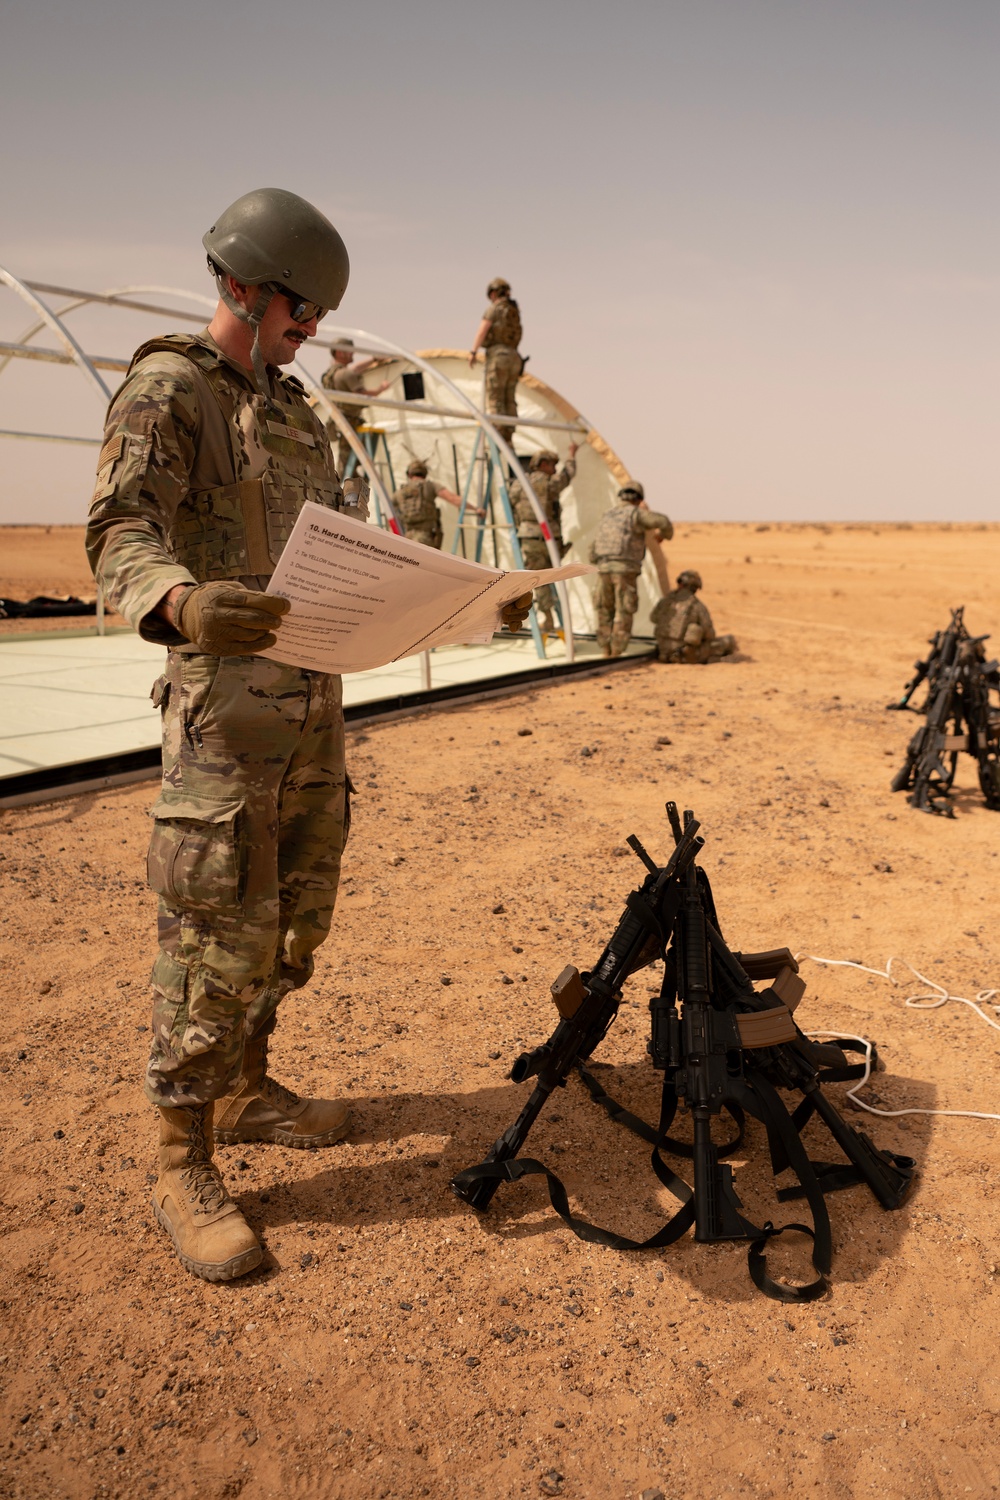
(417, 469)
(276, 240)
(498, 284)
(689, 579)
(632, 487)
(544, 455)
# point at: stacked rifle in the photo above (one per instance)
(721, 1045)
(961, 713)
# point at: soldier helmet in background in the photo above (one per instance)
(632, 487)
(417, 469)
(544, 455)
(689, 579)
(275, 240)
(498, 285)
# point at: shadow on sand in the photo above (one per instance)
(605, 1168)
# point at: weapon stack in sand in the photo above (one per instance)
(961, 712)
(721, 1045)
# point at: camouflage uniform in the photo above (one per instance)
(343, 378)
(684, 630)
(503, 363)
(548, 488)
(416, 505)
(618, 549)
(199, 480)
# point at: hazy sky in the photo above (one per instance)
(755, 241)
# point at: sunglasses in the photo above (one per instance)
(303, 311)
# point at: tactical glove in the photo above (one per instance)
(227, 619)
(513, 615)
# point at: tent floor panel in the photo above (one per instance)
(76, 712)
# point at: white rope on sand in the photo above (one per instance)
(930, 999)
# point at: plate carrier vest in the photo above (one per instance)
(240, 528)
(617, 540)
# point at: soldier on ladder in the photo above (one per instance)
(500, 333)
(548, 486)
(342, 375)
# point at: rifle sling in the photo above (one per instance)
(770, 1110)
(757, 1266)
(527, 1166)
(759, 1099)
(623, 1116)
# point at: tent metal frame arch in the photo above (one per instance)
(121, 297)
(54, 321)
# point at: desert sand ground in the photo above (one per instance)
(397, 1345)
(46, 560)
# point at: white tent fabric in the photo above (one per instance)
(447, 445)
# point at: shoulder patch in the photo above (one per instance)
(112, 450)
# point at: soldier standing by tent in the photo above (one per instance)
(210, 452)
(416, 505)
(683, 625)
(548, 486)
(342, 375)
(618, 549)
(500, 333)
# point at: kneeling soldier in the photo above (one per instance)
(683, 625)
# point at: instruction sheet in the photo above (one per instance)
(362, 597)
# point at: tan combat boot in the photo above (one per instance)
(210, 1235)
(263, 1110)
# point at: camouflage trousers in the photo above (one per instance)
(430, 537)
(670, 649)
(244, 855)
(503, 369)
(536, 556)
(616, 600)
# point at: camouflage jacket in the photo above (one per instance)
(677, 614)
(416, 504)
(547, 488)
(620, 542)
(343, 378)
(504, 318)
(198, 479)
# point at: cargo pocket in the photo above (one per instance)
(349, 790)
(196, 852)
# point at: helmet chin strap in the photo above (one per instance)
(253, 322)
